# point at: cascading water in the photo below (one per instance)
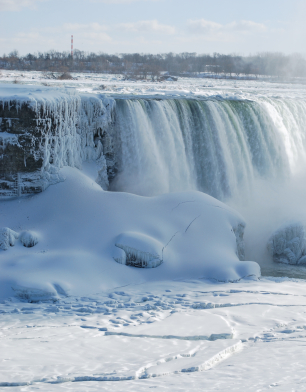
(249, 153)
(214, 145)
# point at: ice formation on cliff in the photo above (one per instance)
(43, 130)
(287, 245)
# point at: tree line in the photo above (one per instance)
(140, 65)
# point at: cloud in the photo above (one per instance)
(216, 31)
(147, 26)
(90, 27)
(16, 5)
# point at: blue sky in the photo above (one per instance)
(155, 26)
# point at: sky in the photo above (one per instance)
(153, 26)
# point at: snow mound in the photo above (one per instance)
(28, 239)
(35, 294)
(80, 226)
(287, 245)
(7, 238)
(139, 250)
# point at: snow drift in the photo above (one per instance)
(79, 225)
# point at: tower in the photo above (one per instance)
(72, 46)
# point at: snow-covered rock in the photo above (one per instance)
(140, 250)
(28, 239)
(7, 238)
(79, 226)
(288, 244)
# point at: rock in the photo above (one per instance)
(7, 238)
(28, 239)
(287, 245)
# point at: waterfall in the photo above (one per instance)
(216, 146)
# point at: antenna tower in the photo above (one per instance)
(72, 46)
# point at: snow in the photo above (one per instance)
(28, 239)
(116, 85)
(79, 226)
(212, 329)
(119, 339)
(7, 238)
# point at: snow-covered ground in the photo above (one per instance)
(184, 87)
(72, 318)
(192, 335)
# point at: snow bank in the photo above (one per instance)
(79, 226)
(287, 245)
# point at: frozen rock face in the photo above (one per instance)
(42, 130)
(7, 238)
(287, 245)
(239, 233)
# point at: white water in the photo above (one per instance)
(216, 146)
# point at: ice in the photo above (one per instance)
(140, 250)
(57, 127)
(288, 244)
(239, 233)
